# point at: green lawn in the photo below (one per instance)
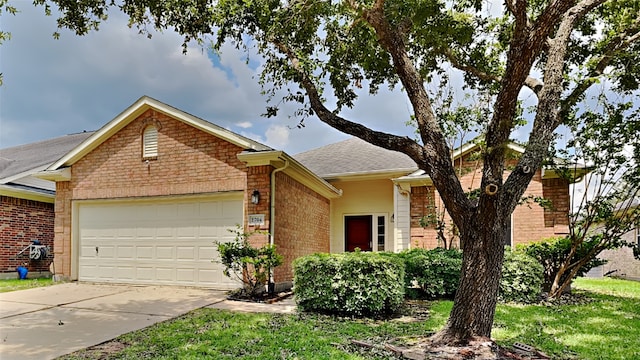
(605, 325)
(17, 284)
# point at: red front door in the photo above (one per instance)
(358, 232)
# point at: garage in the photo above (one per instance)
(156, 241)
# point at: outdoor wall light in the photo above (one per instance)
(255, 197)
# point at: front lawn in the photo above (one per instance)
(602, 325)
(17, 284)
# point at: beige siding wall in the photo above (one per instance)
(360, 198)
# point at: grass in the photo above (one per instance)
(603, 325)
(17, 284)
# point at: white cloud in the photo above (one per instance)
(277, 136)
(244, 124)
(56, 87)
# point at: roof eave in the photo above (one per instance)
(138, 108)
(62, 174)
(369, 175)
(9, 191)
(578, 172)
(29, 172)
(405, 183)
(297, 171)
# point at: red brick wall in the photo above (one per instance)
(22, 221)
(259, 178)
(302, 223)
(422, 204)
(189, 161)
(531, 222)
(194, 161)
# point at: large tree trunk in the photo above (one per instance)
(475, 301)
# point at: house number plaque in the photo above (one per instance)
(256, 220)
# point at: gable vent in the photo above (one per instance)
(150, 142)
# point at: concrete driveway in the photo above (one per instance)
(47, 322)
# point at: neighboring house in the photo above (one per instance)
(384, 196)
(145, 197)
(26, 202)
(621, 262)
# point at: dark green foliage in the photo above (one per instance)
(436, 272)
(246, 263)
(551, 253)
(522, 277)
(353, 284)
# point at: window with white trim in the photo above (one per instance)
(638, 235)
(150, 142)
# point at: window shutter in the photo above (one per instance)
(150, 142)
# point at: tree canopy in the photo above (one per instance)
(318, 50)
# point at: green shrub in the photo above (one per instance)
(250, 265)
(436, 272)
(550, 253)
(353, 284)
(521, 278)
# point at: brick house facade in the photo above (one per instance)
(389, 186)
(197, 166)
(27, 205)
(529, 221)
(138, 208)
(21, 222)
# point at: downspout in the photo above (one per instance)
(272, 216)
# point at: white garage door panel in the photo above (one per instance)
(156, 242)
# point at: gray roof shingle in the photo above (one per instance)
(22, 158)
(354, 156)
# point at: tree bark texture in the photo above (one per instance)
(475, 301)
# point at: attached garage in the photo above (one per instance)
(161, 241)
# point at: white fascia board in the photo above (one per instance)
(105, 132)
(205, 126)
(293, 168)
(405, 183)
(26, 194)
(23, 174)
(369, 175)
(138, 108)
(63, 174)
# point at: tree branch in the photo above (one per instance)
(532, 83)
(547, 117)
(438, 163)
(384, 140)
(620, 42)
(469, 68)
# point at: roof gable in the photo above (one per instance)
(138, 108)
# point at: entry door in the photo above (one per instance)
(358, 232)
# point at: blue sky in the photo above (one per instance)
(57, 87)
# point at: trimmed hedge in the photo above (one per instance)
(522, 278)
(436, 272)
(354, 284)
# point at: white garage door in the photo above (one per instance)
(168, 242)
